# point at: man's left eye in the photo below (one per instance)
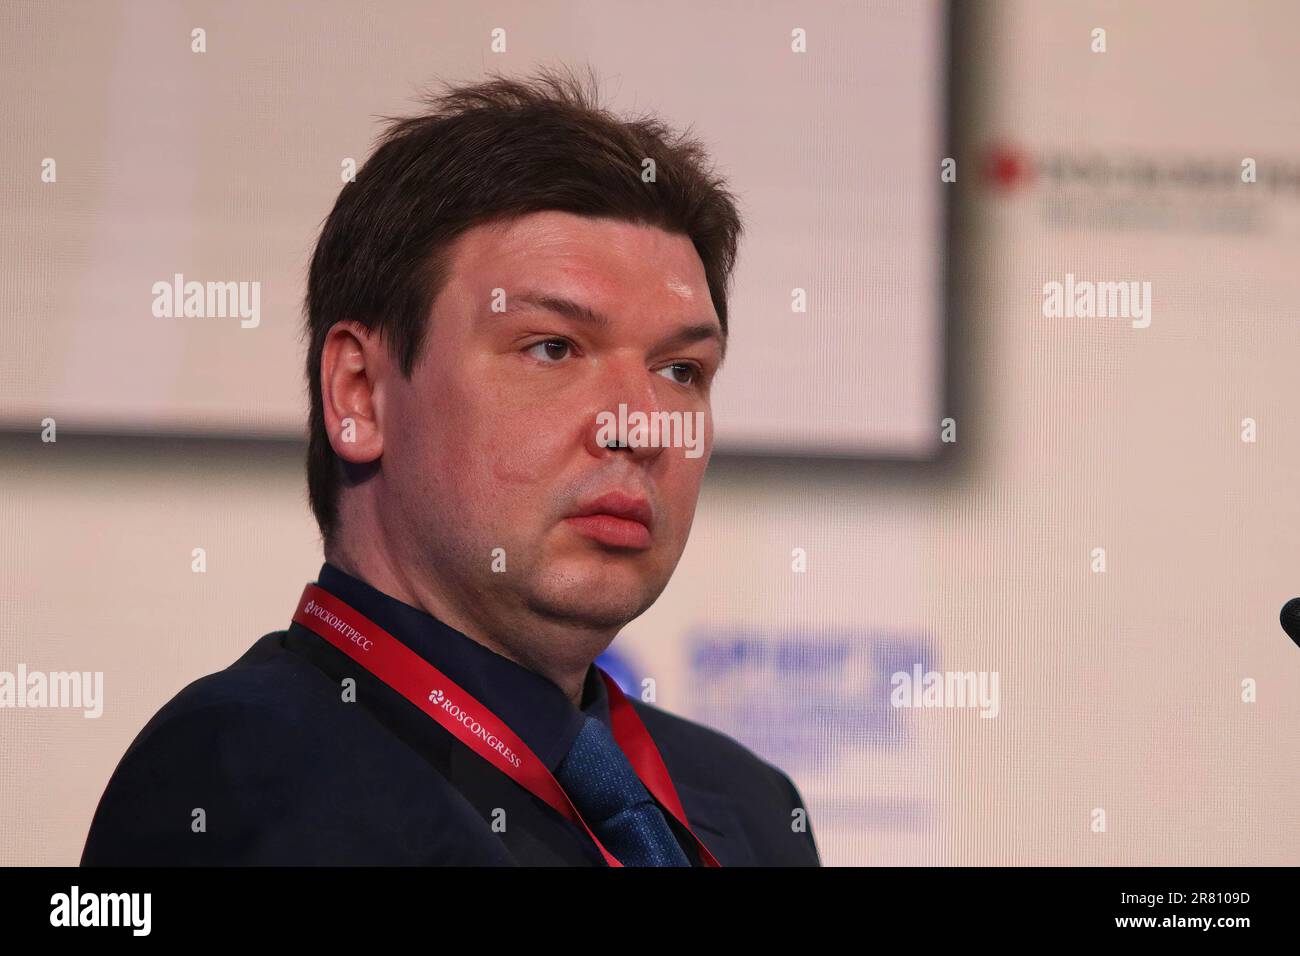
(686, 368)
(552, 350)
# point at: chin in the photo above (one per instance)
(581, 610)
(606, 599)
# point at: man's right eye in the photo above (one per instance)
(550, 350)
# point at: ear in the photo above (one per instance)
(353, 364)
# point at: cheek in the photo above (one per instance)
(438, 442)
(681, 491)
(519, 451)
(485, 446)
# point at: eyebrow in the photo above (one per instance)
(698, 332)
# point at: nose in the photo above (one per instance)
(624, 413)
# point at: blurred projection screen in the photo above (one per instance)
(131, 159)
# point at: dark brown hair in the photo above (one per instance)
(493, 150)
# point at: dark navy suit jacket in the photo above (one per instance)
(286, 772)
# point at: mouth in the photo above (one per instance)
(615, 519)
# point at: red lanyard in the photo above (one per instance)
(477, 727)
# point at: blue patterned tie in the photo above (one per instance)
(616, 805)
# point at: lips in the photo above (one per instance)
(620, 505)
(615, 519)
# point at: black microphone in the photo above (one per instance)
(1291, 619)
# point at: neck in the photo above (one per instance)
(383, 575)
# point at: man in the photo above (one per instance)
(508, 271)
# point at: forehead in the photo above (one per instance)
(606, 260)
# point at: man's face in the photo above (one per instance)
(495, 443)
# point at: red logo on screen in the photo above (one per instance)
(1006, 167)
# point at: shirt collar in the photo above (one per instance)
(530, 704)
